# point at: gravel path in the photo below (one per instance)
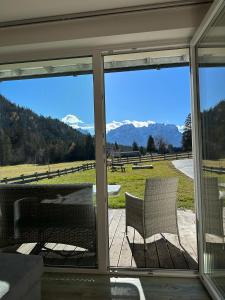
(185, 166)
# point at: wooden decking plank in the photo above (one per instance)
(113, 226)
(26, 248)
(131, 236)
(187, 229)
(125, 259)
(165, 260)
(151, 255)
(111, 213)
(176, 252)
(117, 241)
(69, 248)
(138, 251)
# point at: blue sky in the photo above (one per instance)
(148, 95)
(212, 86)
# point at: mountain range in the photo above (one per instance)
(128, 133)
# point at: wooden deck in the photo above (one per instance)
(128, 252)
(162, 252)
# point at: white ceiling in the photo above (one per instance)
(12, 10)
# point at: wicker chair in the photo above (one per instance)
(158, 212)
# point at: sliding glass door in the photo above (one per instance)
(149, 161)
(210, 56)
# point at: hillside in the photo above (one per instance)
(26, 137)
(127, 134)
(213, 130)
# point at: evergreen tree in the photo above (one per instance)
(187, 135)
(170, 148)
(150, 144)
(142, 150)
(116, 146)
(135, 146)
(90, 147)
(161, 146)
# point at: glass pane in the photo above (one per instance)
(150, 168)
(211, 58)
(47, 161)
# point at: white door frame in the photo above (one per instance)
(101, 177)
(208, 20)
(101, 171)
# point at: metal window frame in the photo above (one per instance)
(209, 19)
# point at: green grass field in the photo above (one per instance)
(133, 181)
(13, 171)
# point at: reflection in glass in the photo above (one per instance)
(211, 59)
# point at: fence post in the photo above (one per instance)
(22, 177)
(36, 176)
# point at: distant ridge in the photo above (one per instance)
(128, 133)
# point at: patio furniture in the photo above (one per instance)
(213, 223)
(20, 276)
(118, 166)
(141, 167)
(112, 189)
(158, 212)
(47, 213)
(213, 208)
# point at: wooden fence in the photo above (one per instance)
(21, 179)
(219, 170)
(152, 158)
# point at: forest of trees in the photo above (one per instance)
(187, 135)
(213, 129)
(26, 137)
(158, 145)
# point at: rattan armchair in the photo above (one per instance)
(158, 212)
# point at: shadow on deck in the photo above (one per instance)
(126, 251)
(163, 251)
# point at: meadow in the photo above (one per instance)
(132, 181)
(25, 169)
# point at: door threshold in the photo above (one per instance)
(154, 272)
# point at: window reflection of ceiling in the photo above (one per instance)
(84, 65)
(216, 34)
(211, 56)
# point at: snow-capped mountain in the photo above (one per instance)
(128, 133)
